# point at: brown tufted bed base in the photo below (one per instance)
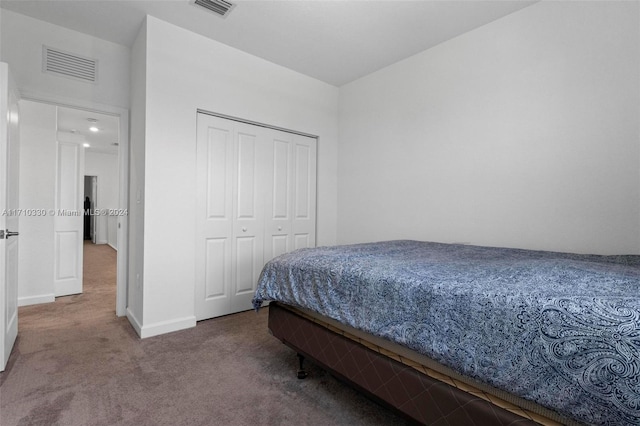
(413, 385)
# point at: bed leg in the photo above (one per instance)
(301, 372)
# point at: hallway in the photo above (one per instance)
(98, 297)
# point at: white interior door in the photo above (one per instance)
(69, 219)
(9, 216)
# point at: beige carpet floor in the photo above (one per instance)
(76, 363)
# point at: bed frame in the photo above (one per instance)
(414, 386)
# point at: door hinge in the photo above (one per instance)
(1, 234)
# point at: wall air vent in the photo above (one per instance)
(219, 7)
(69, 65)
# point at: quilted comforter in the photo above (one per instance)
(562, 330)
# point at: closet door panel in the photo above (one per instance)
(281, 180)
(218, 187)
(278, 203)
(304, 191)
(255, 201)
(302, 240)
(246, 176)
(214, 216)
(279, 245)
(246, 265)
(250, 149)
(216, 268)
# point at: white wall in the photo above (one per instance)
(22, 38)
(37, 191)
(105, 167)
(184, 72)
(522, 133)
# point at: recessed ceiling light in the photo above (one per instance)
(86, 145)
(94, 129)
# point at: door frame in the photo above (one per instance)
(256, 123)
(123, 175)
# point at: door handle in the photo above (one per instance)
(7, 234)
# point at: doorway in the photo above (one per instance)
(99, 134)
(94, 139)
(90, 203)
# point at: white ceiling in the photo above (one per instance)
(333, 41)
(76, 122)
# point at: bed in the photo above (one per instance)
(466, 332)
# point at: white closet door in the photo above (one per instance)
(248, 208)
(290, 203)
(278, 195)
(214, 221)
(304, 192)
(230, 223)
(255, 200)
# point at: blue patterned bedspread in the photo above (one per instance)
(559, 329)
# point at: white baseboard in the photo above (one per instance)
(101, 242)
(134, 322)
(36, 300)
(164, 327)
(112, 246)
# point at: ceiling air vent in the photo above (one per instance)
(69, 65)
(219, 7)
